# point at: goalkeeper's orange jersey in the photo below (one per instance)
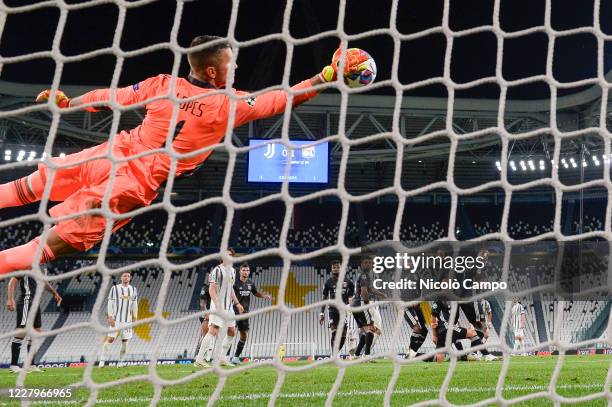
(200, 123)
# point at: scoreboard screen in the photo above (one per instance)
(309, 164)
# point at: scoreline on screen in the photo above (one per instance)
(308, 164)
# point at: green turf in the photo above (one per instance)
(362, 385)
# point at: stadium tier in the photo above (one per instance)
(369, 222)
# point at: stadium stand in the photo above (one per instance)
(256, 229)
(303, 329)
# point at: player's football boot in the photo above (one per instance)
(474, 357)
(225, 362)
(35, 369)
(202, 365)
(236, 361)
(490, 357)
(411, 354)
(14, 369)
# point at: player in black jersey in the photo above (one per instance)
(329, 292)
(414, 316)
(244, 287)
(369, 320)
(474, 310)
(27, 290)
(416, 320)
(441, 323)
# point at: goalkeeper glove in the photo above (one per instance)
(61, 100)
(352, 64)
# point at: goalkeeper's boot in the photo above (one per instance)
(236, 361)
(35, 369)
(14, 369)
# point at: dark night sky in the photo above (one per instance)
(262, 65)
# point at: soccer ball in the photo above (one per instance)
(367, 69)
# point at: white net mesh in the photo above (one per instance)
(165, 328)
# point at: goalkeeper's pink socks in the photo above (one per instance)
(23, 191)
(21, 257)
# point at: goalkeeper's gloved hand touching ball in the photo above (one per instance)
(353, 64)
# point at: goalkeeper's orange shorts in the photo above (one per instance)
(81, 187)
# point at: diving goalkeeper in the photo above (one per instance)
(82, 180)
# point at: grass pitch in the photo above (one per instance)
(362, 384)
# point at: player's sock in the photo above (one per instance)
(479, 336)
(226, 345)
(361, 344)
(22, 191)
(15, 350)
(369, 338)
(197, 348)
(123, 351)
(459, 347)
(103, 353)
(21, 257)
(476, 341)
(342, 340)
(416, 341)
(33, 354)
(207, 344)
(239, 348)
(375, 339)
(333, 340)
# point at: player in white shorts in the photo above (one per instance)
(221, 281)
(517, 320)
(122, 310)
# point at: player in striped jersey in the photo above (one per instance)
(121, 312)
(27, 290)
(487, 318)
(517, 320)
(221, 289)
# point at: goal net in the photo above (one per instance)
(575, 113)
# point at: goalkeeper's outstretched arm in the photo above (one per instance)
(125, 96)
(274, 102)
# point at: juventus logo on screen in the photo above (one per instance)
(269, 151)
